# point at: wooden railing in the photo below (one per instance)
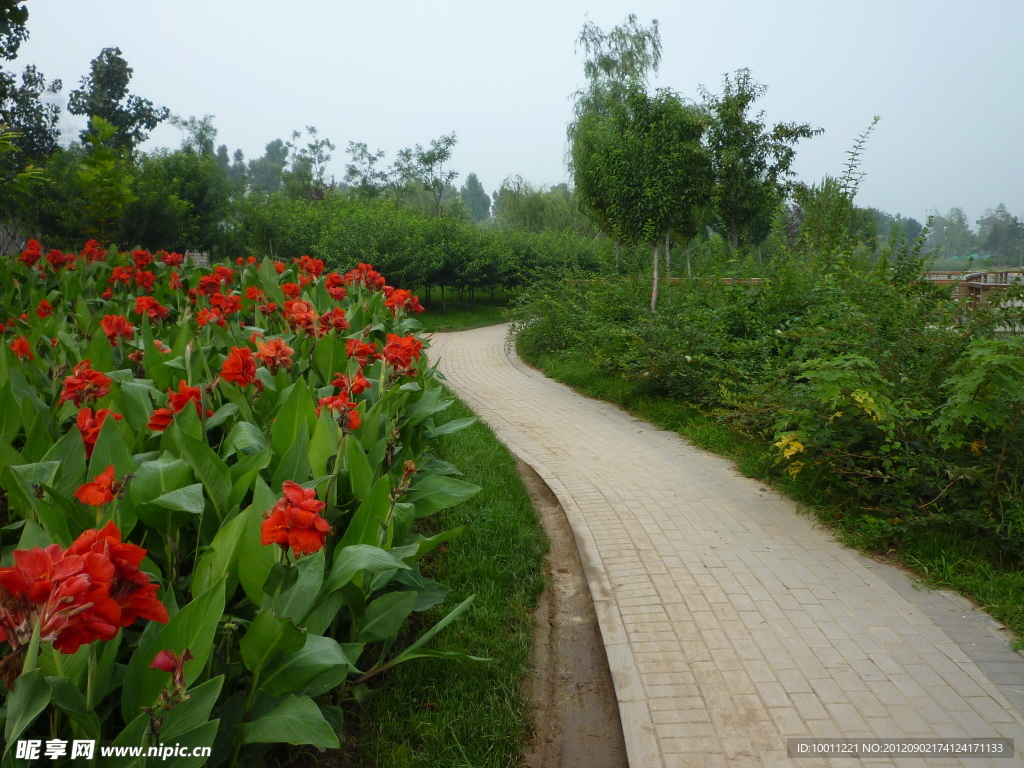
(977, 284)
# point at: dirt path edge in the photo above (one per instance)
(574, 709)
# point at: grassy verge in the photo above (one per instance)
(459, 316)
(940, 556)
(441, 714)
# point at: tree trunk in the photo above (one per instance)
(654, 288)
(760, 261)
(668, 257)
(472, 299)
(689, 274)
(616, 255)
(426, 294)
(444, 307)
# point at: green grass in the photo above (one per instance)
(940, 556)
(459, 316)
(429, 712)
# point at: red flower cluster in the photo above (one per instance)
(226, 303)
(362, 351)
(334, 318)
(365, 275)
(399, 298)
(117, 327)
(275, 354)
(358, 385)
(335, 285)
(92, 252)
(239, 367)
(300, 314)
(22, 348)
(84, 384)
(86, 592)
(295, 521)
(309, 266)
(149, 306)
(44, 310)
(90, 424)
(400, 351)
(177, 401)
(342, 407)
(171, 259)
(33, 252)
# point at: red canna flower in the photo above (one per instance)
(84, 384)
(141, 259)
(300, 314)
(291, 290)
(357, 386)
(400, 351)
(33, 252)
(335, 319)
(175, 283)
(279, 267)
(22, 348)
(100, 490)
(92, 252)
(107, 295)
(226, 303)
(335, 285)
(239, 367)
(185, 395)
(90, 424)
(121, 275)
(365, 275)
(171, 259)
(275, 354)
(145, 280)
(150, 306)
(309, 266)
(254, 294)
(398, 298)
(295, 521)
(45, 309)
(116, 327)
(362, 351)
(268, 308)
(342, 407)
(74, 596)
(160, 420)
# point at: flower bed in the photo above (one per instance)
(210, 485)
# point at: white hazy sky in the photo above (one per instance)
(945, 76)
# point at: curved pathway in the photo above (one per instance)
(730, 621)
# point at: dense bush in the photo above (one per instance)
(856, 369)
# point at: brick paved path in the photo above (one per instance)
(730, 621)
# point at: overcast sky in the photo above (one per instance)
(945, 76)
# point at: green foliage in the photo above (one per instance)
(863, 374)
(751, 162)
(104, 177)
(104, 93)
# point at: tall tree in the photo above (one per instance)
(13, 27)
(476, 199)
(751, 162)
(656, 168)
(307, 176)
(626, 54)
(265, 172)
(430, 167)
(104, 93)
(361, 173)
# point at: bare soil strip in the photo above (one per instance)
(575, 714)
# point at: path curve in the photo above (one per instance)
(730, 621)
